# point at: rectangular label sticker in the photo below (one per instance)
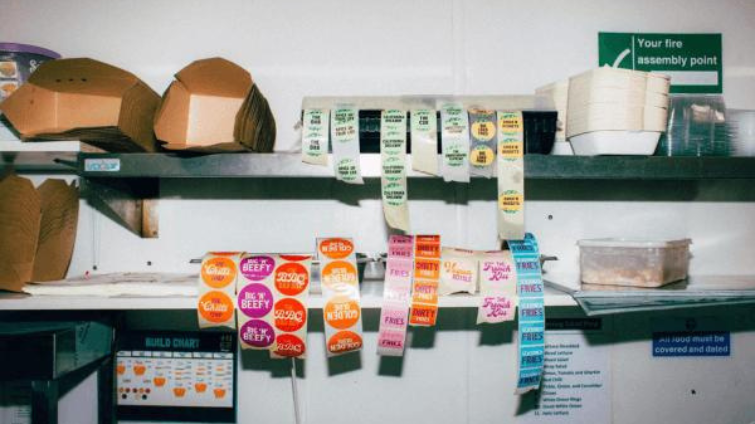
(424, 310)
(344, 131)
(314, 136)
(693, 61)
(393, 169)
(424, 130)
(510, 170)
(394, 315)
(531, 313)
(498, 291)
(102, 165)
(455, 133)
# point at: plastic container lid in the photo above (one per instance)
(28, 48)
(634, 243)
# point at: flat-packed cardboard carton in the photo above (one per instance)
(86, 100)
(57, 231)
(213, 105)
(19, 231)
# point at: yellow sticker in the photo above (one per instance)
(482, 156)
(510, 201)
(510, 149)
(510, 122)
(483, 130)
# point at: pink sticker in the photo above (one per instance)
(496, 271)
(255, 300)
(497, 309)
(392, 340)
(257, 268)
(257, 333)
(394, 316)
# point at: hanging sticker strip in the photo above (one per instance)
(217, 290)
(455, 133)
(424, 130)
(482, 131)
(497, 287)
(458, 271)
(424, 311)
(291, 277)
(255, 301)
(340, 288)
(344, 130)
(510, 176)
(314, 136)
(396, 293)
(393, 161)
(531, 313)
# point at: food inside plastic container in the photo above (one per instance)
(634, 263)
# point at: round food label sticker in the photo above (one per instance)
(482, 156)
(394, 194)
(341, 312)
(257, 268)
(295, 258)
(510, 123)
(421, 120)
(290, 315)
(484, 131)
(510, 201)
(291, 279)
(215, 307)
(290, 345)
(218, 272)
(394, 168)
(337, 274)
(257, 333)
(255, 300)
(344, 341)
(454, 155)
(510, 148)
(336, 248)
(347, 169)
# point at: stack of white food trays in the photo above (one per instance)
(615, 111)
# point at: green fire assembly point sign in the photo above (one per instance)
(692, 60)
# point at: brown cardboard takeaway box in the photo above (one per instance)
(37, 230)
(214, 106)
(86, 100)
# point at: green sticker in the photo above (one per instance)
(347, 169)
(394, 194)
(455, 155)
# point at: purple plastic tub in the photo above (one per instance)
(17, 62)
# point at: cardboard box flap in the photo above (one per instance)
(57, 232)
(19, 231)
(31, 109)
(172, 118)
(83, 76)
(216, 77)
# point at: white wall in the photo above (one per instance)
(330, 47)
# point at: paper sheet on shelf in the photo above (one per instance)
(129, 284)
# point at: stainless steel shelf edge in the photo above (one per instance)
(289, 165)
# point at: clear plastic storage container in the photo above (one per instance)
(635, 263)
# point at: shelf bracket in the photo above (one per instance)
(132, 203)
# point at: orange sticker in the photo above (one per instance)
(159, 381)
(140, 369)
(427, 268)
(200, 387)
(341, 312)
(219, 393)
(425, 292)
(336, 248)
(295, 258)
(423, 315)
(291, 278)
(216, 307)
(290, 346)
(179, 392)
(338, 273)
(344, 341)
(290, 315)
(218, 272)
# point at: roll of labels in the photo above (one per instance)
(270, 292)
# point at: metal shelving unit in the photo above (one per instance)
(289, 165)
